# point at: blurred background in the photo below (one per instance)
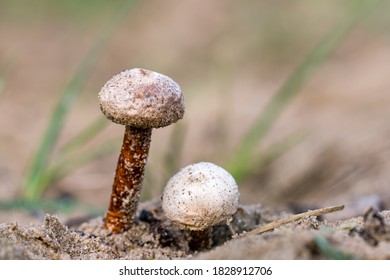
(292, 97)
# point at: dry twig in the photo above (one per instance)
(283, 221)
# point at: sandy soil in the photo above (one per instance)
(153, 237)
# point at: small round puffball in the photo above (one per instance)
(199, 196)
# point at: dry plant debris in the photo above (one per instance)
(294, 218)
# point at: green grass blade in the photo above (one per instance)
(71, 91)
(241, 160)
(277, 149)
(63, 205)
(68, 158)
(3, 77)
(89, 155)
(84, 136)
(2, 85)
(329, 252)
(72, 162)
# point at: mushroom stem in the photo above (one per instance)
(128, 179)
(200, 239)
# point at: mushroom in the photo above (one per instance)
(198, 197)
(141, 100)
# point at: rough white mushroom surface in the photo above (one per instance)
(199, 196)
(142, 98)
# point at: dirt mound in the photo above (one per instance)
(153, 237)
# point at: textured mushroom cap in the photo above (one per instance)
(142, 98)
(199, 196)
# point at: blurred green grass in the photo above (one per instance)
(3, 77)
(40, 174)
(78, 11)
(2, 84)
(242, 160)
(329, 252)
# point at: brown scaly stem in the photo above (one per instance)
(128, 179)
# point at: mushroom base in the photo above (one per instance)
(200, 240)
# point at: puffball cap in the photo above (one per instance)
(199, 196)
(142, 98)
